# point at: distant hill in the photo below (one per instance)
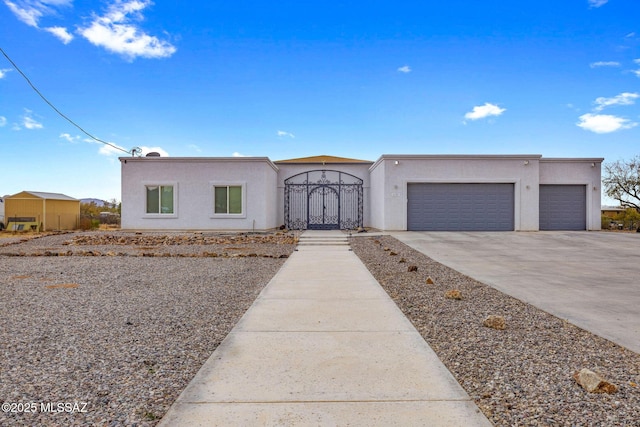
(98, 202)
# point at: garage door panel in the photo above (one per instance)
(563, 207)
(460, 207)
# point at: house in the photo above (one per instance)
(612, 211)
(41, 211)
(1, 213)
(396, 192)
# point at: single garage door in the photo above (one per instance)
(563, 207)
(460, 207)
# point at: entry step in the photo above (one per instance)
(323, 239)
(327, 243)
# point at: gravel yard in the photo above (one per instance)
(519, 376)
(120, 322)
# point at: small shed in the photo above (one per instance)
(41, 211)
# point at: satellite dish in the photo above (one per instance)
(153, 154)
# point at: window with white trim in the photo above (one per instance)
(160, 199)
(227, 200)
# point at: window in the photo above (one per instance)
(160, 199)
(227, 199)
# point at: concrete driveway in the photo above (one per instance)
(592, 279)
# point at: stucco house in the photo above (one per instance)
(396, 192)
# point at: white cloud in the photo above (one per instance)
(604, 123)
(282, 133)
(236, 154)
(117, 150)
(597, 3)
(483, 111)
(30, 11)
(28, 14)
(29, 122)
(4, 71)
(625, 98)
(61, 33)
(195, 148)
(404, 69)
(115, 32)
(636, 72)
(3, 121)
(159, 150)
(604, 64)
(69, 138)
(109, 150)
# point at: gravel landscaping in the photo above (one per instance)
(115, 325)
(521, 375)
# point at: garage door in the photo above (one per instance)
(563, 207)
(460, 207)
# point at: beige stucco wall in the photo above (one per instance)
(392, 173)
(193, 180)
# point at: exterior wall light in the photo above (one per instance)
(526, 162)
(396, 162)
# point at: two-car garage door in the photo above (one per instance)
(490, 207)
(460, 207)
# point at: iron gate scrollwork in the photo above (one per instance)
(323, 200)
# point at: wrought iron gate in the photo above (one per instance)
(323, 200)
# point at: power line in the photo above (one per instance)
(58, 111)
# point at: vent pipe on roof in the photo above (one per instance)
(153, 154)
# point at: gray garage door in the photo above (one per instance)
(563, 207)
(460, 207)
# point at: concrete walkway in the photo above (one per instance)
(323, 345)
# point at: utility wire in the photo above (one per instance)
(58, 111)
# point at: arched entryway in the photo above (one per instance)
(323, 200)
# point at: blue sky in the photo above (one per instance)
(292, 78)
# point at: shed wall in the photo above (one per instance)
(24, 208)
(50, 214)
(61, 215)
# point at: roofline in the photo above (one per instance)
(201, 160)
(38, 194)
(455, 157)
(287, 162)
(314, 160)
(572, 159)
